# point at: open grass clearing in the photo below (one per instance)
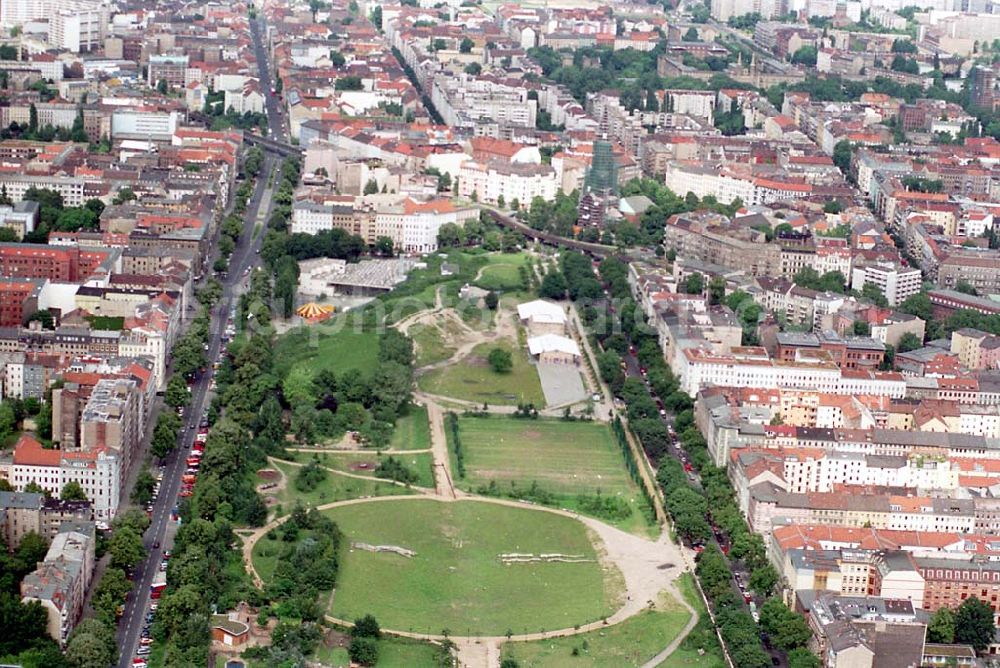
(472, 378)
(564, 458)
(701, 647)
(413, 430)
(338, 348)
(501, 277)
(430, 343)
(457, 581)
(629, 643)
(365, 462)
(334, 488)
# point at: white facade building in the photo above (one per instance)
(697, 369)
(98, 472)
(511, 181)
(895, 282)
(135, 124)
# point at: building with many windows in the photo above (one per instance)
(97, 471)
(61, 581)
(892, 280)
(496, 182)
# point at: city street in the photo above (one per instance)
(161, 530)
(740, 574)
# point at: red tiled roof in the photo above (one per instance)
(29, 452)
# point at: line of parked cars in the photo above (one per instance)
(193, 461)
(145, 648)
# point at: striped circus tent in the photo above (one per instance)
(314, 311)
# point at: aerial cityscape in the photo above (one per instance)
(461, 333)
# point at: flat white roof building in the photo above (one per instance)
(553, 343)
(540, 310)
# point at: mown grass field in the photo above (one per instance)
(472, 379)
(334, 488)
(563, 458)
(365, 462)
(456, 580)
(413, 430)
(502, 277)
(629, 643)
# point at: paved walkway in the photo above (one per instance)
(359, 450)
(444, 485)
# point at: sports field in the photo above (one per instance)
(563, 457)
(566, 459)
(472, 379)
(456, 579)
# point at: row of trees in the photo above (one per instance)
(205, 570)
(248, 424)
(690, 507)
(970, 624)
(920, 306)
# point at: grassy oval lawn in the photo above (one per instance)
(457, 581)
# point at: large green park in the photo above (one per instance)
(475, 569)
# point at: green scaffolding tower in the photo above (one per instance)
(602, 177)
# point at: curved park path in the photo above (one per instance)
(647, 568)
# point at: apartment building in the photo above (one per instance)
(976, 349)
(854, 572)
(866, 631)
(495, 181)
(706, 238)
(22, 513)
(469, 102)
(112, 420)
(19, 218)
(98, 472)
(752, 367)
(895, 282)
(75, 25)
(802, 470)
(19, 299)
(948, 582)
(981, 270)
(769, 506)
(309, 217)
(61, 581)
(727, 424)
(854, 352)
(63, 264)
(169, 68)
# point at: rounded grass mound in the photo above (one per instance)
(462, 578)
